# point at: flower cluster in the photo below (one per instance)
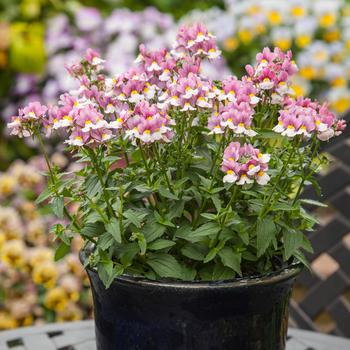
(196, 41)
(305, 117)
(30, 278)
(29, 116)
(272, 72)
(245, 164)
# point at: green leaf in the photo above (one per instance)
(292, 240)
(301, 258)
(43, 195)
(105, 241)
(62, 250)
(209, 216)
(231, 259)
(114, 229)
(313, 202)
(267, 134)
(308, 217)
(92, 186)
(141, 241)
(165, 265)
(216, 201)
(176, 209)
(127, 253)
(167, 194)
(161, 244)
(211, 255)
(153, 230)
(107, 271)
(92, 229)
(57, 206)
(134, 217)
(221, 273)
(163, 221)
(265, 233)
(206, 230)
(194, 251)
(283, 207)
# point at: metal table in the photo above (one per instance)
(80, 336)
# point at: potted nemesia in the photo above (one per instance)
(189, 194)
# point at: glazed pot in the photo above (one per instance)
(240, 314)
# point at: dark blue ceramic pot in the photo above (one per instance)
(241, 314)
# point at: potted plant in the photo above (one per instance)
(188, 194)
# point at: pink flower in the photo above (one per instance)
(34, 110)
(244, 164)
(306, 117)
(78, 138)
(238, 117)
(196, 41)
(93, 57)
(272, 72)
(89, 118)
(148, 124)
(30, 117)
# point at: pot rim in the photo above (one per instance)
(274, 277)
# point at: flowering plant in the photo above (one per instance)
(184, 177)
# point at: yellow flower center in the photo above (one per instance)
(147, 132)
(290, 126)
(230, 44)
(298, 11)
(327, 20)
(229, 172)
(260, 173)
(274, 17)
(251, 166)
(303, 40)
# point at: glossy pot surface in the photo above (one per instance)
(241, 314)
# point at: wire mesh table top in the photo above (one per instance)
(81, 336)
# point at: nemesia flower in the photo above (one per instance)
(93, 57)
(148, 124)
(238, 117)
(272, 72)
(244, 165)
(29, 117)
(305, 117)
(197, 41)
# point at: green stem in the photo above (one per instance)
(306, 175)
(53, 179)
(97, 169)
(155, 151)
(273, 190)
(148, 171)
(229, 204)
